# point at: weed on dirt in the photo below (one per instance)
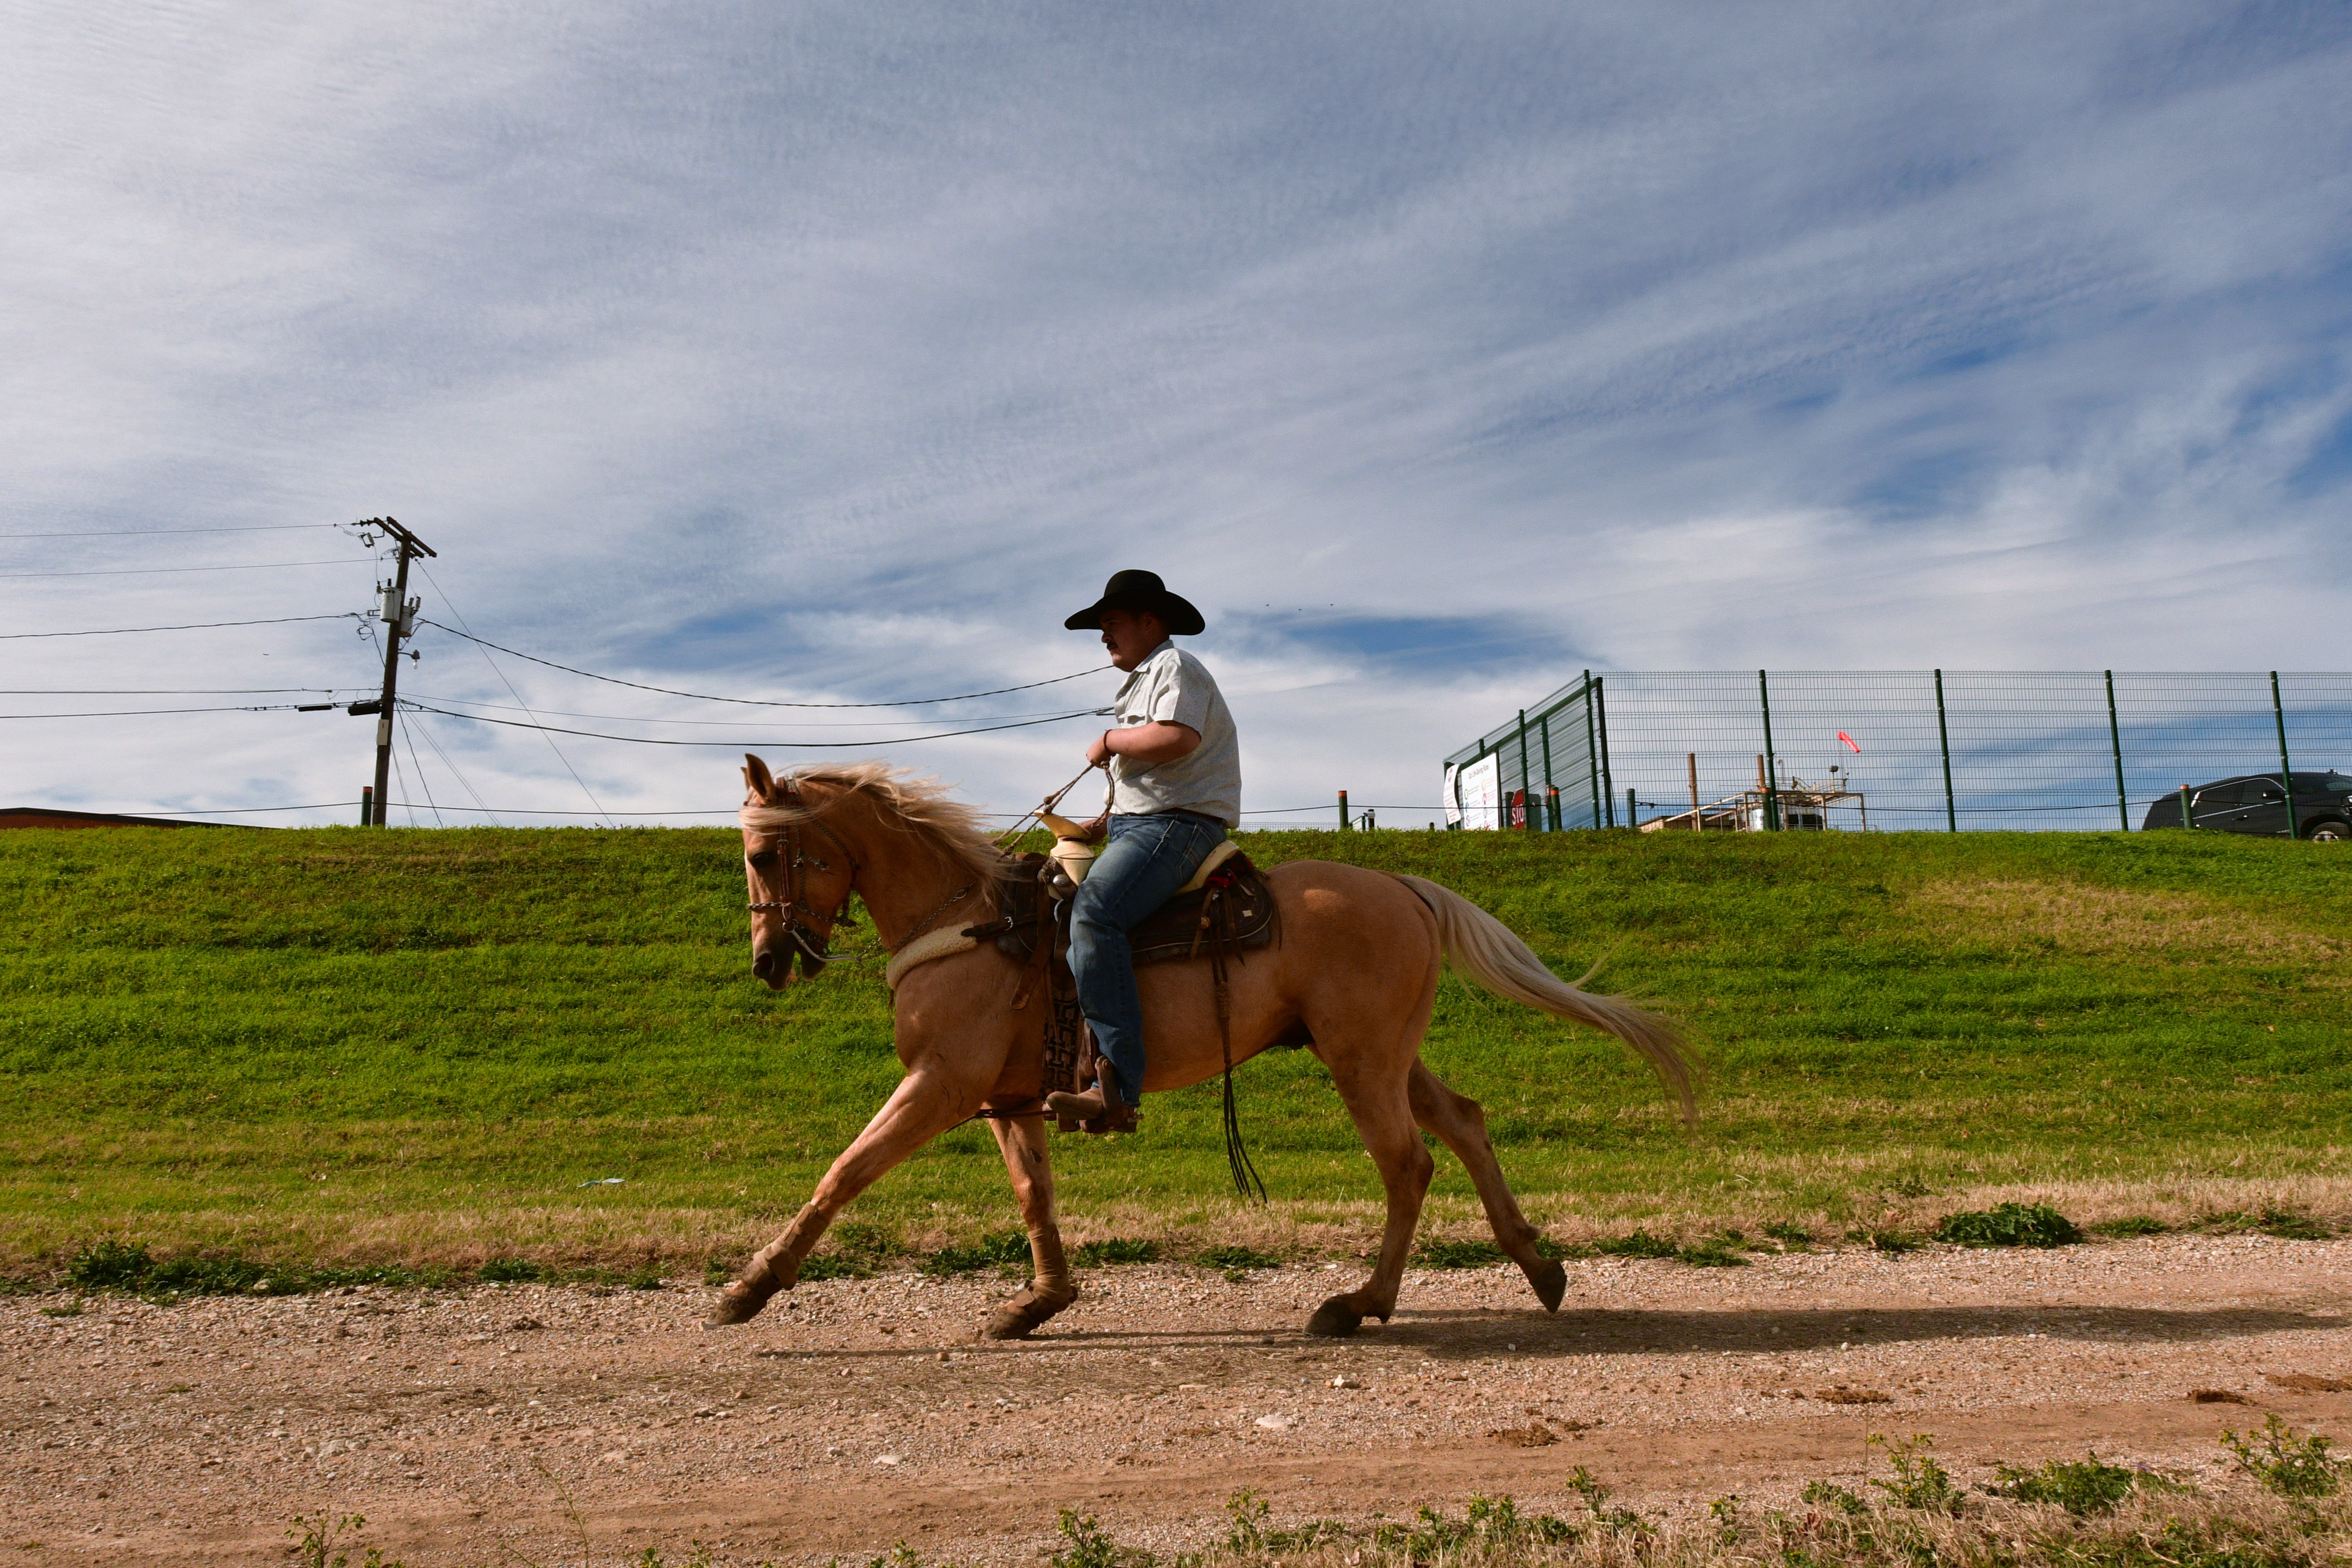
(1232, 1256)
(2083, 1486)
(1436, 1252)
(2009, 1225)
(325, 1542)
(1487, 1524)
(1710, 1255)
(1640, 1244)
(994, 1249)
(1112, 1253)
(2288, 1464)
(1719, 1251)
(1252, 1530)
(2130, 1224)
(1919, 1482)
(128, 1268)
(2294, 1227)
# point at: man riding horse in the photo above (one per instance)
(1353, 979)
(1176, 786)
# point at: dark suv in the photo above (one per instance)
(2255, 803)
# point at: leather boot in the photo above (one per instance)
(1098, 1109)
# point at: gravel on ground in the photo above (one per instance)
(469, 1426)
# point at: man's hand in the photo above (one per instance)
(1149, 744)
(1094, 830)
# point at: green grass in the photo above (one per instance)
(417, 1047)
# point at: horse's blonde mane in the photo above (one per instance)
(912, 804)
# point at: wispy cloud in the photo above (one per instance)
(836, 354)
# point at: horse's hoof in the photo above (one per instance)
(738, 1304)
(1024, 1315)
(1334, 1320)
(1004, 1323)
(1551, 1281)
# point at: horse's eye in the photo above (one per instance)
(762, 859)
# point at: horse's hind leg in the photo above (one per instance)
(1456, 1119)
(1023, 1140)
(1383, 1115)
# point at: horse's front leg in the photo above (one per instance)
(1050, 1287)
(928, 1101)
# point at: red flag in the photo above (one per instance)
(1849, 741)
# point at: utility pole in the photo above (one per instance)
(399, 612)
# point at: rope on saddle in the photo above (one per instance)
(1215, 924)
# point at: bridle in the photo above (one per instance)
(809, 941)
(806, 938)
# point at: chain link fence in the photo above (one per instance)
(1939, 749)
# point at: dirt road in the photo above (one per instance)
(861, 1413)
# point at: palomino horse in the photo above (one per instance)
(1353, 979)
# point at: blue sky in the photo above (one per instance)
(835, 352)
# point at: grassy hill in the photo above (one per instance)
(418, 1045)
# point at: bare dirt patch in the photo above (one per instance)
(468, 1425)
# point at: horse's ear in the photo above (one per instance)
(756, 777)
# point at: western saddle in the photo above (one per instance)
(1224, 910)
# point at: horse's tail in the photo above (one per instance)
(1492, 955)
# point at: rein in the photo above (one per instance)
(1005, 839)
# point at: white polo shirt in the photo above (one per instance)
(1171, 687)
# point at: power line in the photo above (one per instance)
(172, 690)
(151, 571)
(134, 533)
(712, 723)
(136, 713)
(756, 745)
(759, 701)
(407, 733)
(190, 627)
(344, 804)
(508, 684)
(463, 782)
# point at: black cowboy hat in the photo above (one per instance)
(1139, 590)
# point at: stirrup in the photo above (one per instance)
(1119, 1117)
(1071, 1111)
(1096, 1110)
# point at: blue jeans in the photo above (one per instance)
(1145, 861)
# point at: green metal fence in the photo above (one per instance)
(1940, 749)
